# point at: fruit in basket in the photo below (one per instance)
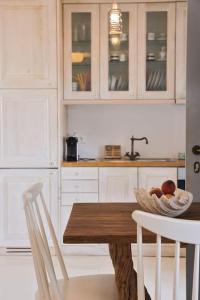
(168, 187)
(156, 191)
(168, 196)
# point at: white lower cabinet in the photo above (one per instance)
(154, 177)
(117, 184)
(104, 184)
(13, 183)
(78, 184)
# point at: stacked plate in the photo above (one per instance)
(117, 83)
(156, 81)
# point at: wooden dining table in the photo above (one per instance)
(112, 223)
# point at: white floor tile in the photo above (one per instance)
(17, 277)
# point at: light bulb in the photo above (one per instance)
(115, 20)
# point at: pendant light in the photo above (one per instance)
(115, 20)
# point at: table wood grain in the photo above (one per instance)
(112, 223)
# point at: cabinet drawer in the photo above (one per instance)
(80, 186)
(70, 198)
(79, 173)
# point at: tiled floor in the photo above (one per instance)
(17, 278)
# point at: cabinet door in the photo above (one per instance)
(118, 60)
(154, 177)
(28, 44)
(156, 51)
(28, 121)
(117, 184)
(181, 50)
(81, 51)
(13, 183)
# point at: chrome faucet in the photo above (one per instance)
(133, 154)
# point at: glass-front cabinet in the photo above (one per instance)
(118, 55)
(156, 51)
(81, 51)
(142, 62)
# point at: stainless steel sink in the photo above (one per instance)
(156, 159)
(143, 159)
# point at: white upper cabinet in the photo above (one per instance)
(117, 184)
(156, 51)
(181, 50)
(154, 177)
(13, 183)
(118, 55)
(28, 44)
(81, 51)
(145, 62)
(28, 122)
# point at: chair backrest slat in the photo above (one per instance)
(54, 239)
(42, 287)
(158, 269)
(195, 288)
(174, 229)
(140, 283)
(176, 271)
(45, 273)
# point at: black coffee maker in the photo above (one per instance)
(71, 148)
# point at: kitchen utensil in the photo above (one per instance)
(82, 79)
(122, 57)
(172, 207)
(161, 36)
(151, 56)
(74, 86)
(151, 36)
(123, 37)
(114, 57)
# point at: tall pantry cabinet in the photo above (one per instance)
(28, 111)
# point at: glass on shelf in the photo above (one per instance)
(156, 51)
(118, 54)
(81, 51)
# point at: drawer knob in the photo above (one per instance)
(76, 173)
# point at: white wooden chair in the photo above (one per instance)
(97, 287)
(175, 229)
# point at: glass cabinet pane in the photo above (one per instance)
(156, 51)
(81, 51)
(118, 57)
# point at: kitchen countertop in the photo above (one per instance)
(125, 163)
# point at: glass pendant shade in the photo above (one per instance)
(115, 20)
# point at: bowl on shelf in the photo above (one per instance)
(77, 57)
(172, 207)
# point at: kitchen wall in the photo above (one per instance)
(163, 125)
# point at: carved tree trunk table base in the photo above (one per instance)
(125, 275)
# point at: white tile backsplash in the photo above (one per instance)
(163, 125)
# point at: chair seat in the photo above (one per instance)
(95, 287)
